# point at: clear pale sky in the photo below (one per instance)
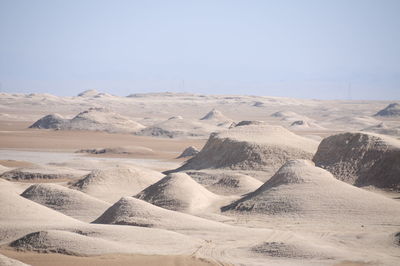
(299, 48)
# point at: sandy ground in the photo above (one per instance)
(223, 237)
(14, 135)
(37, 259)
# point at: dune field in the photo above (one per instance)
(191, 179)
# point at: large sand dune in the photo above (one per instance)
(361, 159)
(253, 147)
(179, 192)
(299, 189)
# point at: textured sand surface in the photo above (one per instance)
(111, 204)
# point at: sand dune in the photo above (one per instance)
(299, 189)
(305, 125)
(53, 121)
(67, 201)
(218, 118)
(55, 241)
(178, 127)
(289, 116)
(95, 119)
(188, 152)
(253, 147)
(225, 182)
(112, 183)
(178, 192)
(301, 216)
(391, 110)
(88, 93)
(17, 209)
(361, 159)
(136, 212)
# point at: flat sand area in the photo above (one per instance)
(15, 135)
(40, 259)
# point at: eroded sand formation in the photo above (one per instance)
(251, 196)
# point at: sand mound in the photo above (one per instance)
(215, 115)
(94, 119)
(260, 147)
(305, 125)
(54, 121)
(6, 261)
(397, 238)
(54, 241)
(189, 152)
(178, 192)
(101, 119)
(382, 128)
(258, 104)
(41, 172)
(15, 209)
(176, 127)
(392, 109)
(361, 159)
(113, 183)
(250, 122)
(289, 116)
(225, 182)
(67, 201)
(132, 211)
(300, 189)
(88, 93)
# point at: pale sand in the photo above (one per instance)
(280, 241)
(40, 259)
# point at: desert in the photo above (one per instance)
(200, 133)
(236, 185)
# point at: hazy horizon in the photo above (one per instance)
(301, 49)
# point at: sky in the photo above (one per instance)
(322, 49)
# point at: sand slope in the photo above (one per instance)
(391, 110)
(95, 119)
(225, 182)
(54, 121)
(136, 212)
(178, 127)
(6, 261)
(299, 189)
(178, 192)
(68, 201)
(112, 183)
(55, 241)
(253, 147)
(362, 159)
